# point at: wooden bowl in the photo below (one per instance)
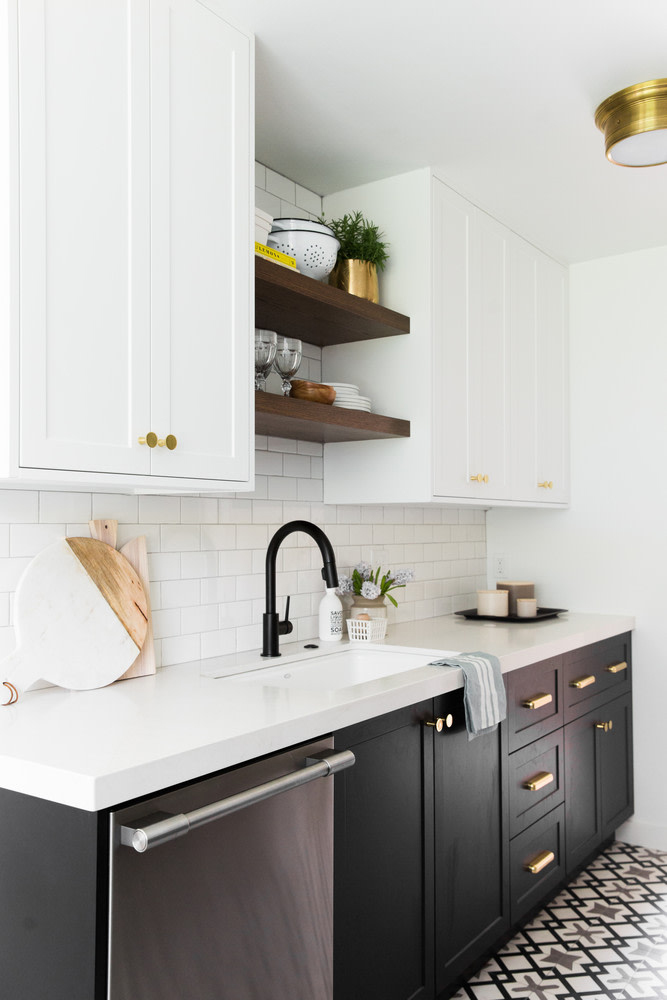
(313, 391)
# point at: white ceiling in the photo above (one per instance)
(499, 94)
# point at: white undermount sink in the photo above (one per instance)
(343, 669)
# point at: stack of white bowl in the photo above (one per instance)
(347, 397)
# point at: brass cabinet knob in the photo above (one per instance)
(479, 478)
(440, 723)
(539, 862)
(583, 682)
(540, 780)
(546, 485)
(170, 441)
(539, 701)
(617, 668)
(150, 439)
(605, 726)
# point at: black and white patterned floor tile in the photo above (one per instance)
(604, 937)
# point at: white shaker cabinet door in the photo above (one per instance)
(84, 235)
(539, 398)
(200, 242)
(470, 322)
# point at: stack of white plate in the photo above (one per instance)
(347, 397)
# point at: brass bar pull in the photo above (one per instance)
(539, 781)
(479, 478)
(150, 439)
(605, 726)
(617, 668)
(439, 724)
(539, 862)
(539, 701)
(583, 682)
(546, 485)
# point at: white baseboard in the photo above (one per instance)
(643, 835)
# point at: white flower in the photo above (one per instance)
(370, 590)
(403, 576)
(345, 585)
(364, 570)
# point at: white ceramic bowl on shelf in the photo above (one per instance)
(315, 253)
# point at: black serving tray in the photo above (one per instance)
(542, 613)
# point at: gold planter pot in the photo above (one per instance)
(358, 277)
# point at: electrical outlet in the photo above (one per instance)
(500, 567)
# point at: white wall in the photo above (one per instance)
(608, 552)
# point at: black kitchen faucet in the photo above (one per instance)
(272, 627)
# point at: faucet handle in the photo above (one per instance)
(285, 626)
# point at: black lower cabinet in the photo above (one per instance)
(471, 843)
(383, 881)
(598, 778)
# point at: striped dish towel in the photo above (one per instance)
(483, 690)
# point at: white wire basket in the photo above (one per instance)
(364, 630)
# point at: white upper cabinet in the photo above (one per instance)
(483, 374)
(134, 161)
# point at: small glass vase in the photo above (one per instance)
(375, 607)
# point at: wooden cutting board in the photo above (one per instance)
(106, 530)
(80, 616)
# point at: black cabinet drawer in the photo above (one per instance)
(536, 781)
(534, 701)
(537, 862)
(596, 673)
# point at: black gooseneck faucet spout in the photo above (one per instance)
(272, 628)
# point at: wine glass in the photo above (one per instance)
(287, 360)
(265, 352)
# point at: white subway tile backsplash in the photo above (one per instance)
(164, 565)
(267, 202)
(19, 505)
(117, 506)
(281, 186)
(29, 539)
(180, 593)
(199, 619)
(63, 507)
(180, 649)
(235, 563)
(218, 590)
(282, 488)
(4, 540)
(308, 200)
(159, 510)
(199, 565)
(199, 510)
(219, 536)
(180, 537)
(260, 175)
(218, 643)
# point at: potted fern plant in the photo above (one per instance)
(362, 252)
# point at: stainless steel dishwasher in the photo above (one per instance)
(223, 889)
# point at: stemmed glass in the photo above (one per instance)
(265, 351)
(287, 360)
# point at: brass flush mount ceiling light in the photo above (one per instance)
(634, 123)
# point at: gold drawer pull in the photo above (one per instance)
(439, 724)
(479, 478)
(539, 862)
(150, 439)
(539, 781)
(539, 701)
(583, 682)
(605, 726)
(546, 485)
(617, 668)
(170, 441)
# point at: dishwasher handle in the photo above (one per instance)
(158, 828)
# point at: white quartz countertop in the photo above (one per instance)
(96, 749)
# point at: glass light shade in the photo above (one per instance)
(647, 149)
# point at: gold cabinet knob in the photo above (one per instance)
(539, 862)
(440, 723)
(479, 478)
(546, 485)
(170, 441)
(150, 439)
(605, 726)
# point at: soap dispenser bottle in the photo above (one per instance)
(331, 616)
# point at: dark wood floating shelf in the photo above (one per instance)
(282, 416)
(299, 306)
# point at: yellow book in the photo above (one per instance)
(276, 255)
